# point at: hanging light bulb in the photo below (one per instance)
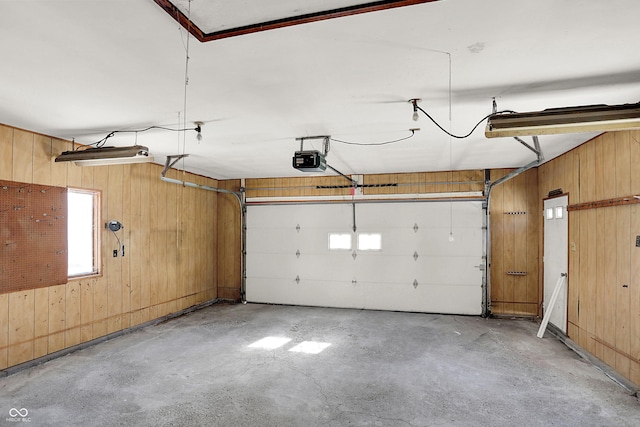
(451, 238)
(415, 109)
(199, 130)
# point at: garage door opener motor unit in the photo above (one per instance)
(311, 160)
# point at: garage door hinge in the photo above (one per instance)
(415, 283)
(298, 280)
(298, 253)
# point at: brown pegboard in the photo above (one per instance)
(33, 236)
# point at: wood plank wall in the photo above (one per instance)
(399, 183)
(514, 227)
(170, 264)
(604, 263)
(229, 242)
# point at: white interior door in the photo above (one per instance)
(417, 267)
(556, 257)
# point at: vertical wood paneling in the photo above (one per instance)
(42, 149)
(125, 274)
(497, 246)
(113, 274)
(608, 314)
(162, 242)
(622, 302)
(634, 299)
(599, 296)
(100, 287)
(509, 245)
(576, 227)
(6, 153)
(532, 250)
(136, 249)
(57, 317)
(21, 327)
(589, 303)
(623, 255)
(41, 322)
(151, 218)
(228, 246)
(4, 323)
(145, 259)
(34, 323)
(520, 290)
(634, 281)
(610, 267)
(599, 227)
(59, 170)
(610, 284)
(22, 156)
(173, 218)
(73, 174)
(72, 314)
(86, 309)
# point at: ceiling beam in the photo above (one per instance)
(201, 36)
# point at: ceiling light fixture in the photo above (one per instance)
(107, 156)
(199, 130)
(590, 118)
(415, 101)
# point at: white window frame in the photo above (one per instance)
(72, 224)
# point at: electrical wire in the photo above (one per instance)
(100, 144)
(120, 245)
(413, 132)
(471, 131)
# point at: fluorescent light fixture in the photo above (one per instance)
(590, 118)
(107, 156)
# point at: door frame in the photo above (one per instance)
(568, 251)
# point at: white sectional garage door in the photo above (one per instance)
(417, 268)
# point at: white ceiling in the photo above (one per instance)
(81, 68)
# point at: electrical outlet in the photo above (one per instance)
(115, 253)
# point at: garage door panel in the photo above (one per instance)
(385, 269)
(450, 299)
(310, 292)
(449, 270)
(326, 267)
(276, 266)
(283, 240)
(415, 250)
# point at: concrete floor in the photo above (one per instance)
(380, 369)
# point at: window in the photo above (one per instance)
(339, 241)
(549, 213)
(559, 212)
(369, 241)
(82, 232)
